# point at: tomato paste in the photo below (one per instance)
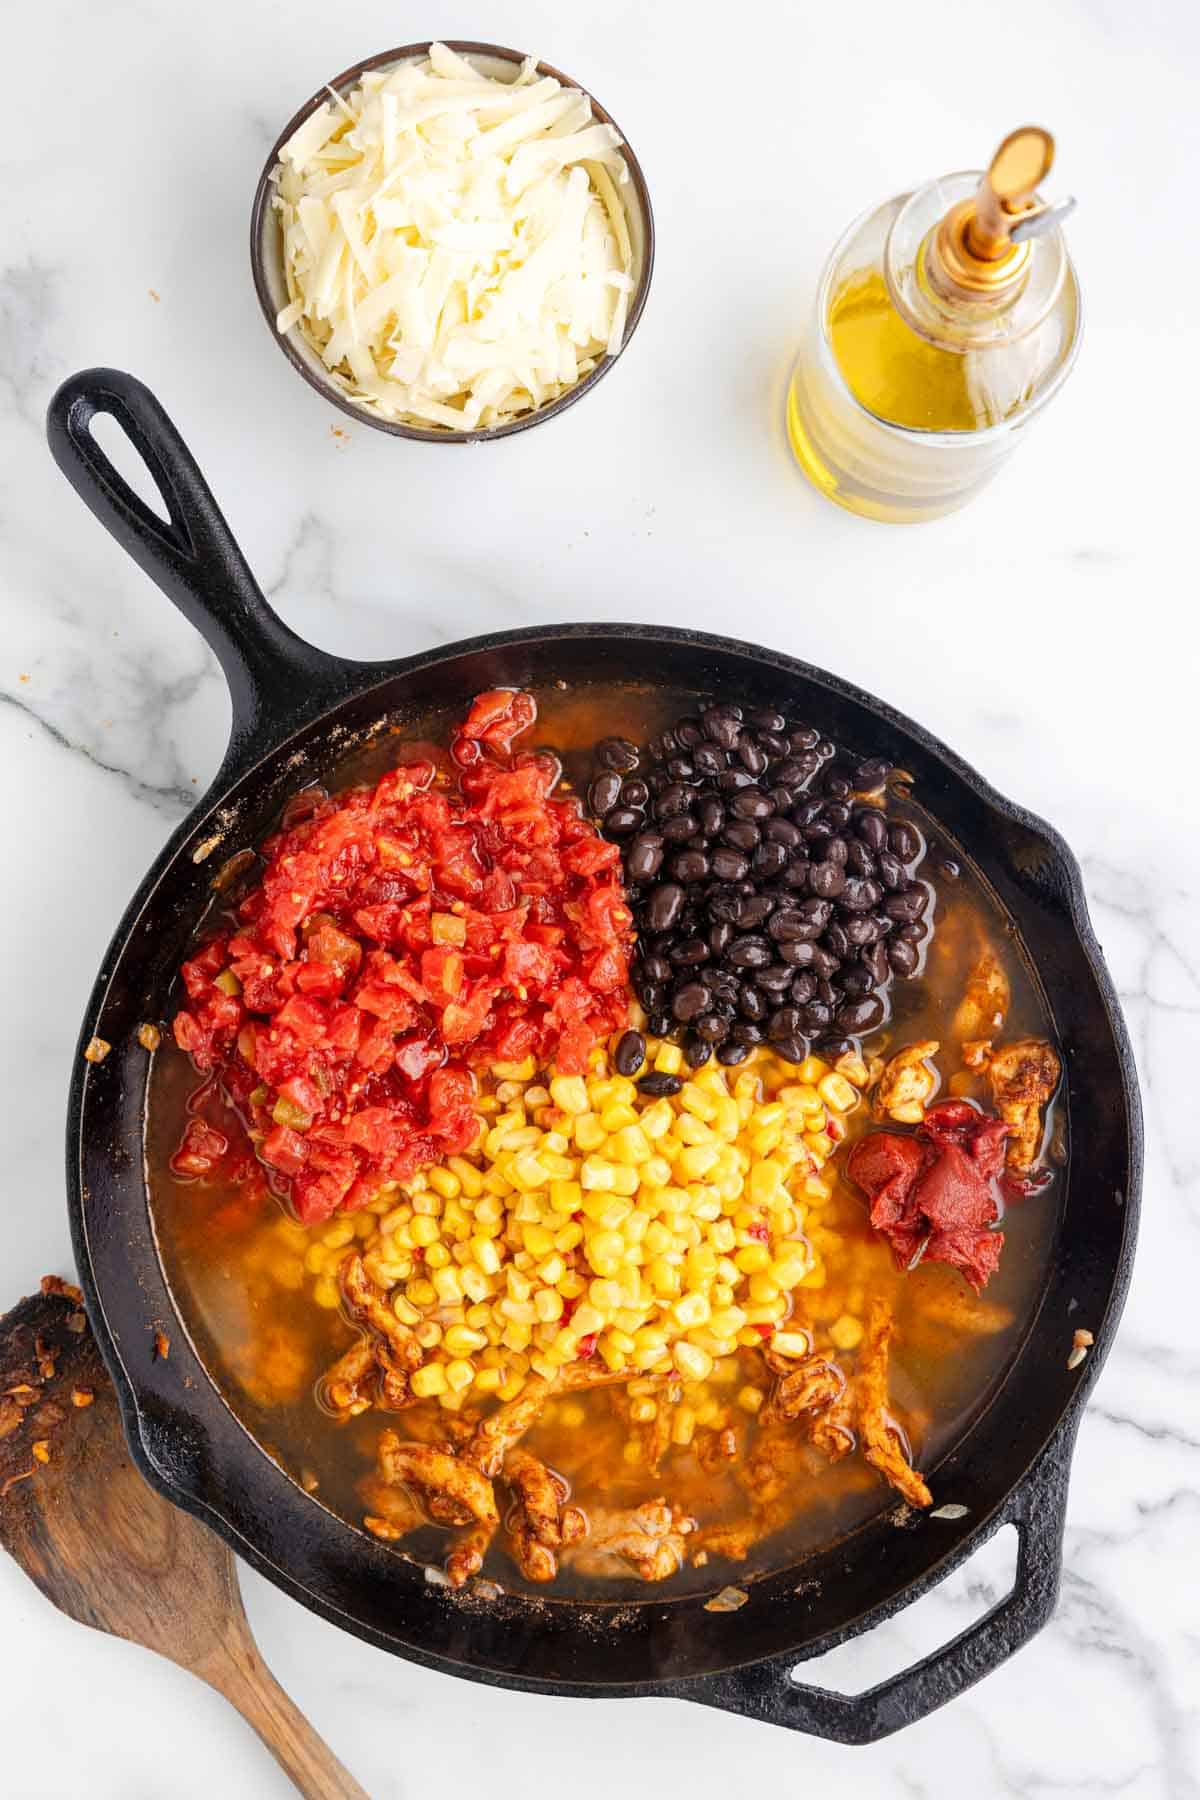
(933, 1192)
(401, 936)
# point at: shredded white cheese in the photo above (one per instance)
(455, 248)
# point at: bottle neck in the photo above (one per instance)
(925, 294)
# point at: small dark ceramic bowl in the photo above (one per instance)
(266, 251)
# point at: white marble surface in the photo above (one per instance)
(1050, 633)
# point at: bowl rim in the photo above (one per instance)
(327, 387)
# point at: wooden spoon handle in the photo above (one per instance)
(240, 1673)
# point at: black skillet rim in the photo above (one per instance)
(151, 1431)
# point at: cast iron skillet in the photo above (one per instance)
(296, 711)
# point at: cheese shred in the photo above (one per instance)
(455, 247)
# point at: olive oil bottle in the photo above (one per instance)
(945, 321)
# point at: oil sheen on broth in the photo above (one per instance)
(238, 1273)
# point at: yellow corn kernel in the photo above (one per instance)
(469, 1179)
(325, 1293)
(767, 1313)
(514, 1071)
(693, 1363)
(571, 1285)
(693, 1099)
(565, 1196)
(337, 1236)
(693, 1310)
(762, 1289)
(486, 1254)
(853, 1068)
(668, 1059)
(790, 1343)
(447, 1286)
(750, 1399)
(587, 1319)
(490, 1210)
(836, 1091)
(683, 1425)
(621, 1341)
(605, 1295)
(751, 1259)
(789, 1271)
(657, 1120)
(437, 1256)
(460, 1340)
(589, 1133)
(425, 1231)
(727, 1322)
(723, 1237)
(428, 1334)
(643, 1412)
(511, 1387)
(488, 1380)
(459, 1375)
(429, 1380)
(695, 1161)
(444, 1182)
(548, 1304)
(596, 1175)
(607, 1246)
(820, 1143)
(613, 1358)
(701, 1265)
(664, 1277)
(811, 1071)
(846, 1333)
(421, 1292)
(516, 1334)
(569, 1093)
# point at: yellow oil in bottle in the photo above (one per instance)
(895, 373)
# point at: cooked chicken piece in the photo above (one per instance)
(954, 1307)
(976, 1053)
(812, 1383)
(496, 1435)
(880, 1437)
(734, 1539)
(347, 1383)
(657, 1436)
(393, 1512)
(366, 1304)
(650, 1538)
(1023, 1077)
(907, 1084)
(592, 1374)
(831, 1431)
(467, 1552)
(985, 1000)
(451, 1491)
(714, 1450)
(541, 1522)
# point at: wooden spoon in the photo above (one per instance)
(110, 1551)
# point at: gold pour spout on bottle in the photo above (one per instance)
(981, 249)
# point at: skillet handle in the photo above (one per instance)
(767, 1691)
(274, 676)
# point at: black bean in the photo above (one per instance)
(723, 723)
(735, 781)
(712, 1027)
(660, 1023)
(696, 1051)
(908, 906)
(623, 820)
(789, 926)
(860, 894)
(688, 733)
(837, 815)
(617, 753)
(836, 786)
(720, 936)
(875, 962)
(664, 905)
(766, 719)
(860, 929)
(709, 758)
(774, 743)
(681, 768)
(826, 879)
(781, 831)
(689, 866)
(797, 876)
(803, 737)
(836, 851)
(890, 871)
(776, 978)
(689, 1000)
(604, 793)
(798, 953)
(871, 827)
(728, 865)
(825, 964)
(804, 987)
(678, 828)
(723, 903)
(711, 815)
(630, 1053)
(784, 1022)
(792, 1049)
(754, 909)
(659, 1084)
(750, 756)
(643, 859)
(816, 1015)
(652, 994)
(836, 941)
(747, 1031)
(749, 952)
(915, 933)
(742, 834)
(690, 952)
(830, 1048)
(807, 813)
(634, 792)
(752, 1004)
(732, 1051)
(870, 775)
(750, 803)
(905, 841)
(860, 1015)
(825, 749)
(902, 956)
(782, 797)
(655, 968)
(859, 860)
(856, 981)
(673, 798)
(770, 859)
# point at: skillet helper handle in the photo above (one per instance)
(767, 1691)
(192, 554)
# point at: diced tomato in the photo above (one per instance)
(284, 1149)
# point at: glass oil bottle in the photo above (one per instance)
(945, 321)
